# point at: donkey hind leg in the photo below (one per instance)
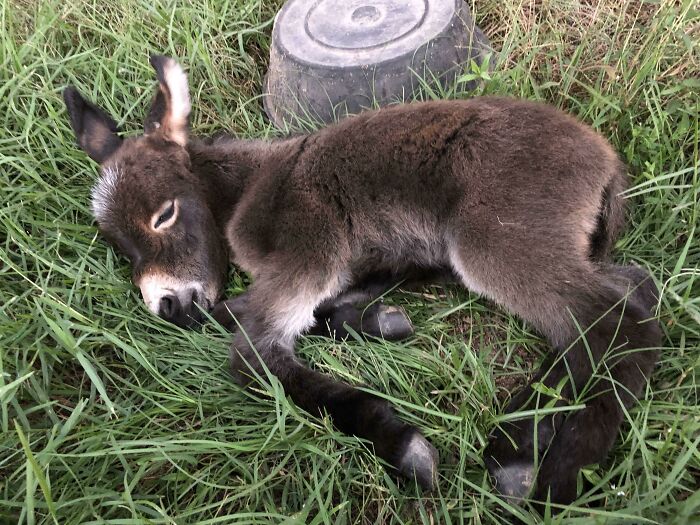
(630, 340)
(267, 341)
(605, 368)
(611, 361)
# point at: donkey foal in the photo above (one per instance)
(515, 200)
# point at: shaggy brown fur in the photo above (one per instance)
(514, 199)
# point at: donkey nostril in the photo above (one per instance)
(198, 299)
(169, 305)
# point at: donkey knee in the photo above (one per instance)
(227, 312)
(240, 367)
(643, 289)
(251, 351)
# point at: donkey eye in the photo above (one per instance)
(166, 217)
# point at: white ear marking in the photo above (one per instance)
(179, 108)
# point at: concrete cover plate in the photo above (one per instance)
(334, 57)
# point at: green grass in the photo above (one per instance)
(108, 415)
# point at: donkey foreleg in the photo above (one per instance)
(360, 307)
(376, 319)
(270, 328)
(227, 312)
(335, 316)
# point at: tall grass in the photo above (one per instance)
(108, 415)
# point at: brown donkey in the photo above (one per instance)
(515, 200)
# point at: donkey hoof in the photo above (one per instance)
(394, 324)
(420, 461)
(514, 481)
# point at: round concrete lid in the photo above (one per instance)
(342, 34)
(330, 58)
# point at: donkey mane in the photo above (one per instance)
(514, 200)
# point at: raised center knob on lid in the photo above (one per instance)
(362, 24)
(365, 14)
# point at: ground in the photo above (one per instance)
(108, 415)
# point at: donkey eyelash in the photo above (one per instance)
(167, 217)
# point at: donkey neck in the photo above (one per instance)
(227, 166)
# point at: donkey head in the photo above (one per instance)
(150, 205)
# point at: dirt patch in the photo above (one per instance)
(514, 365)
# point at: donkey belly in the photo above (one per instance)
(400, 244)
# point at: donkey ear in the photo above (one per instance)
(171, 106)
(156, 114)
(95, 130)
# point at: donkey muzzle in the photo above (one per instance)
(184, 315)
(178, 302)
